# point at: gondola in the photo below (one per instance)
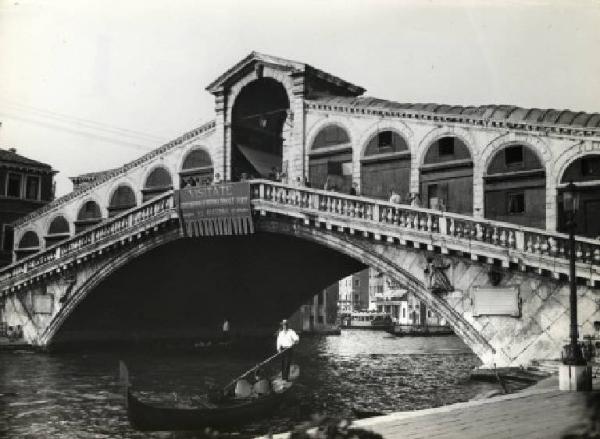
(231, 412)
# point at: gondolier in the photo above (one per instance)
(286, 339)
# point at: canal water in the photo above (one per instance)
(77, 395)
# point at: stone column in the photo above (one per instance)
(222, 146)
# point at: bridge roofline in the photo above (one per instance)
(498, 116)
(107, 175)
(294, 66)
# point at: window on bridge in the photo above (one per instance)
(515, 187)
(585, 173)
(89, 215)
(446, 176)
(385, 166)
(331, 159)
(123, 198)
(157, 182)
(57, 231)
(259, 118)
(197, 169)
(28, 244)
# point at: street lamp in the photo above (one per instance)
(572, 354)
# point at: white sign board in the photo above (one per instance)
(42, 303)
(493, 301)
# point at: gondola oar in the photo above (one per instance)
(249, 371)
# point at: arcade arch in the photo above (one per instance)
(89, 215)
(58, 230)
(330, 159)
(122, 199)
(196, 170)
(585, 173)
(515, 186)
(385, 166)
(28, 245)
(258, 116)
(446, 176)
(157, 182)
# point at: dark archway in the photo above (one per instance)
(28, 244)
(157, 182)
(57, 231)
(89, 215)
(446, 176)
(385, 166)
(258, 117)
(331, 159)
(122, 199)
(515, 187)
(585, 173)
(185, 287)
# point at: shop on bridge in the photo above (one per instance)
(515, 187)
(385, 166)
(122, 199)
(58, 230)
(89, 215)
(585, 173)
(446, 177)
(28, 245)
(158, 181)
(196, 170)
(330, 159)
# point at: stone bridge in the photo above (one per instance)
(45, 290)
(110, 260)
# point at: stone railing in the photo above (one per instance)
(480, 238)
(529, 247)
(124, 224)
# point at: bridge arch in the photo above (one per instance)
(157, 180)
(88, 214)
(196, 167)
(121, 197)
(331, 157)
(385, 162)
(354, 248)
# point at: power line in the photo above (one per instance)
(125, 143)
(85, 123)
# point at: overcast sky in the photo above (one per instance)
(89, 85)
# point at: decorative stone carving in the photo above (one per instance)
(437, 281)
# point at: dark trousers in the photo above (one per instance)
(286, 360)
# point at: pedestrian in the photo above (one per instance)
(415, 200)
(395, 197)
(286, 339)
(217, 179)
(225, 327)
(353, 189)
(328, 185)
(306, 181)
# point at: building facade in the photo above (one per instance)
(320, 314)
(354, 292)
(25, 186)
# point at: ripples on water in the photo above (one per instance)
(77, 395)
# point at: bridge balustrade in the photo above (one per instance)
(514, 239)
(115, 227)
(498, 240)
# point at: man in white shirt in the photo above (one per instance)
(286, 339)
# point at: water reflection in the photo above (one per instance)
(77, 395)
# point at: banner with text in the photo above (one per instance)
(222, 209)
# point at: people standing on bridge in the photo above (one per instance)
(286, 339)
(305, 181)
(395, 197)
(354, 189)
(217, 179)
(415, 200)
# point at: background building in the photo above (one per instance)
(319, 314)
(354, 292)
(25, 185)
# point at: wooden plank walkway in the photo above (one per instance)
(541, 411)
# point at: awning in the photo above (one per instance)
(262, 161)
